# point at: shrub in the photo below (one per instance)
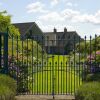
(6, 93)
(88, 91)
(7, 81)
(7, 88)
(93, 77)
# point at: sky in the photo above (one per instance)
(82, 16)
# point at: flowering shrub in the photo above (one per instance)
(93, 63)
(98, 56)
(18, 71)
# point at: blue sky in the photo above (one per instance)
(82, 16)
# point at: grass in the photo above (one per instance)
(88, 91)
(60, 77)
(7, 87)
(13, 46)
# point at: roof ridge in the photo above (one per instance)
(23, 23)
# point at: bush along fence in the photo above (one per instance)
(41, 65)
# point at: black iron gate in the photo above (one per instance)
(42, 66)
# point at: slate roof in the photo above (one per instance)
(26, 27)
(62, 34)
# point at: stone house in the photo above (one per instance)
(61, 42)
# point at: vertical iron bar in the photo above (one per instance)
(50, 78)
(90, 55)
(27, 65)
(17, 66)
(32, 67)
(6, 52)
(58, 63)
(37, 65)
(42, 65)
(53, 90)
(61, 77)
(95, 50)
(79, 61)
(63, 65)
(85, 67)
(56, 77)
(71, 76)
(45, 77)
(69, 73)
(47, 66)
(74, 65)
(22, 65)
(66, 78)
(0, 50)
(12, 54)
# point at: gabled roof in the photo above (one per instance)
(62, 34)
(27, 26)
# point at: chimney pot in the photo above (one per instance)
(65, 30)
(55, 30)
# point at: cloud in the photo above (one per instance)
(77, 16)
(49, 27)
(36, 7)
(52, 17)
(71, 15)
(54, 2)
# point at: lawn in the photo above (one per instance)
(55, 77)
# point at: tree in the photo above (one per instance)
(86, 47)
(5, 22)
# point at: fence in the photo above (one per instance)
(51, 67)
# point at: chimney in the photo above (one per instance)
(55, 30)
(65, 30)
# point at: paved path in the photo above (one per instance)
(44, 97)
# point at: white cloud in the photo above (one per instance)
(77, 16)
(69, 13)
(54, 2)
(59, 20)
(36, 7)
(49, 27)
(72, 15)
(52, 17)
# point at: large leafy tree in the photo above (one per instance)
(5, 22)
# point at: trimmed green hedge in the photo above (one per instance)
(7, 88)
(88, 91)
